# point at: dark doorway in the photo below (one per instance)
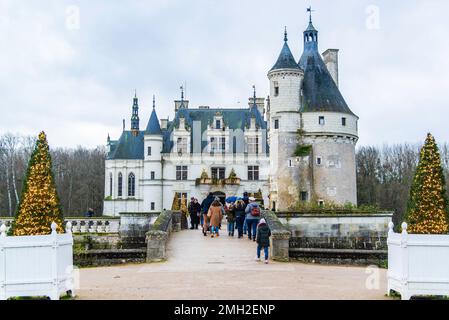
(221, 195)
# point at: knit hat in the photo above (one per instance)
(262, 221)
(252, 199)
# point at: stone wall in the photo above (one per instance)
(339, 238)
(342, 238)
(280, 236)
(157, 237)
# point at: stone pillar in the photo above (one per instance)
(176, 221)
(280, 243)
(156, 245)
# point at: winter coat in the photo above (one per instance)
(216, 216)
(248, 211)
(194, 208)
(230, 216)
(239, 211)
(263, 235)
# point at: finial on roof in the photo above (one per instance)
(309, 10)
(154, 102)
(123, 124)
(285, 34)
(109, 138)
(254, 97)
(182, 93)
(135, 93)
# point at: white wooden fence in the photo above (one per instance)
(417, 264)
(36, 265)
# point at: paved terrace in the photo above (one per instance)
(224, 268)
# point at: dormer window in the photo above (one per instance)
(217, 124)
(253, 145)
(321, 121)
(182, 146)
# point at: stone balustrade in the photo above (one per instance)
(82, 225)
(94, 225)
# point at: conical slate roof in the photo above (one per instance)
(285, 60)
(153, 126)
(320, 92)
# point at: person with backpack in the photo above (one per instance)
(230, 217)
(263, 239)
(253, 213)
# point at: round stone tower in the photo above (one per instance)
(283, 123)
(329, 126)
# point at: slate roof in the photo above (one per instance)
(320, 92)
(128, 147)
(286, 59)
(153, 126)
(232, 118)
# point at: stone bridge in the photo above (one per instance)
(197, 267)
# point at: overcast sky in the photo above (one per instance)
(75, 77)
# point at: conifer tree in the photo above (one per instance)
(427, 206)
(39, 203)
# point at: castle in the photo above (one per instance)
(298, 145)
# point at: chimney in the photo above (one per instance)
(330, 57)
(164, 124)
(178, 104)
(260, 102)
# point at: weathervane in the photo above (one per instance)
(182, 93)
(309, 10)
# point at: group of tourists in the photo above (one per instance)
(242, 214)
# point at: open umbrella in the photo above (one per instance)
(231, 199)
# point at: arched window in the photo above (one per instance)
(120, 185)
(110, 184)
(131, 185)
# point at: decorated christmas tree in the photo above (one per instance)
(427, 206)
(39, 204)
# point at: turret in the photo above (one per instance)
(153, 142)
(284, 121)
(285, 82)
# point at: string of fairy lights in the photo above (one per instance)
(428, 205)
(39, 205)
